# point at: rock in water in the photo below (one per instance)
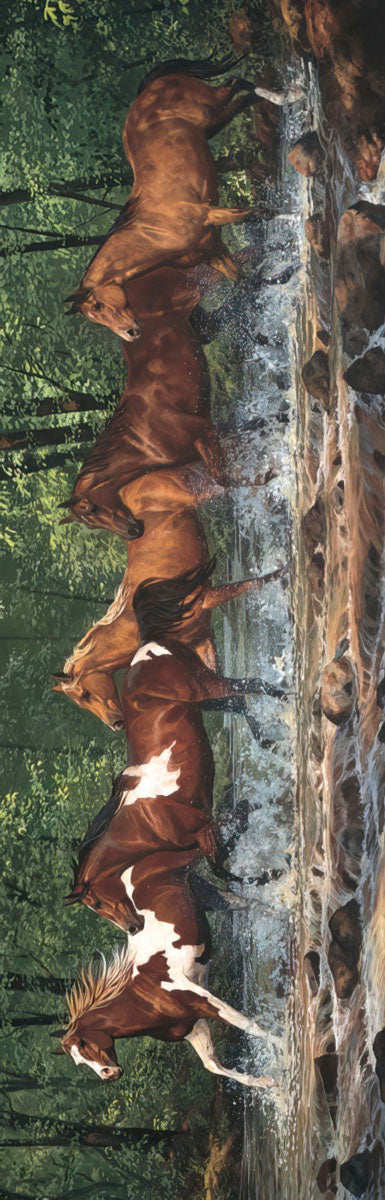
(345, 928)
(379, 1054)
(355, 1173)
(312, 968)
(316, 377)
(367, 374)
(317, 233)
(306, 155)
(360, 275)
(326, 1178)
(345, 978)
(313, 527)
(337, 690)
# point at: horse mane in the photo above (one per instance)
(99, 825)
(202, 68)
(161, 605)
(99, 983)
(113, 612)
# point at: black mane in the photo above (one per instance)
(99, 825)
(161, 605)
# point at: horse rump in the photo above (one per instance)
(202, 68)
(161, 605)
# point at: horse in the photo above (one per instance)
(161, 424)
(155, 986)
(172, 215)
(161, 803)
(162, 420)
(171, 541)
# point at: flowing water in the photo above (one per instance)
(315, 791)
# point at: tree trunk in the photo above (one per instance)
(77, 402)
(22, 983)
(56, 436)
(69, 189)
(39, 1019)
(94, 1136)
(64, 243)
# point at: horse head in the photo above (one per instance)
(95, 1050)
(95, 692)
(118, 520)
(106, 304)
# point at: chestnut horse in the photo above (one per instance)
(168, 543)
(162, 801)
(162, 420)
(172, 215)
(154, 987)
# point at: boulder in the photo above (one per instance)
(379, 1054)
(337, 690)
(345, 978)
(326, 1178)
(317, 233)
(306, 155)
(355, 1174)
(345, 928)
(360, 275)
(367, 374)
(312, 967)
(313, 527)
(316, 377)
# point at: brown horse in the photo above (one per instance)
(162, 421)
(155, 987)
(172, 215)
(162, 801)
(161, 424)
(169, 543)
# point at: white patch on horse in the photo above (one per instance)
(145, 652)
(200, 1039)
(159, 937)
(155, 778)
(79, 1060)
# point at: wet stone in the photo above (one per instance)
(379, 1054)
(345, 928)
(306, 155)
(316, 377)
(312, 968)
(313, 527)
(360, 275)
(356, 1172)
(345, 978)
(317, 233)
(367, 374)
(337, 690)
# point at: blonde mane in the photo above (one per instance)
(99, 983)
(85, 646)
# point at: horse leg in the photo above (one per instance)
(226, 216)
(200, 1040)
(229, 591)
(223, 1011)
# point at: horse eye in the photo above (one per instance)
(86, 695)
(93, 508)
(97, 305)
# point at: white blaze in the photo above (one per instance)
(155, 778)
(78, 1059)
(145, 652)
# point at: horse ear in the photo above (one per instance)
(60, 1033)
(66, 503)
(67, 520)
(61, 675)
(77, 895)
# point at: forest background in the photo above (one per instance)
(70, 72)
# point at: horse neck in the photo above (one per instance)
(112, 641)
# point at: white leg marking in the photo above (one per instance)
(225, 1011)
(200, 1040)
(155, 778)
(145, 652)
(279, 98)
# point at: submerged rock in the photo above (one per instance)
(317, 233)
(313, 527)
(367, 374)
(360, 275)
(355, 1173)
(379, 1054)
(345, 978)
(316, 577)
(306, 155)
(337, 690)
(345, 928)
(326, 1178)
(316, 377)
(312, 968)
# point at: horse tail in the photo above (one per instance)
(161, 605)
(202, 68)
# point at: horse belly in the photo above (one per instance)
(173, 163)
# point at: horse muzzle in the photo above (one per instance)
(111, 1074)
(132, 333)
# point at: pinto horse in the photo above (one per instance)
(170, 542)
(172, 215)
(156, 986)
(162, 802)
